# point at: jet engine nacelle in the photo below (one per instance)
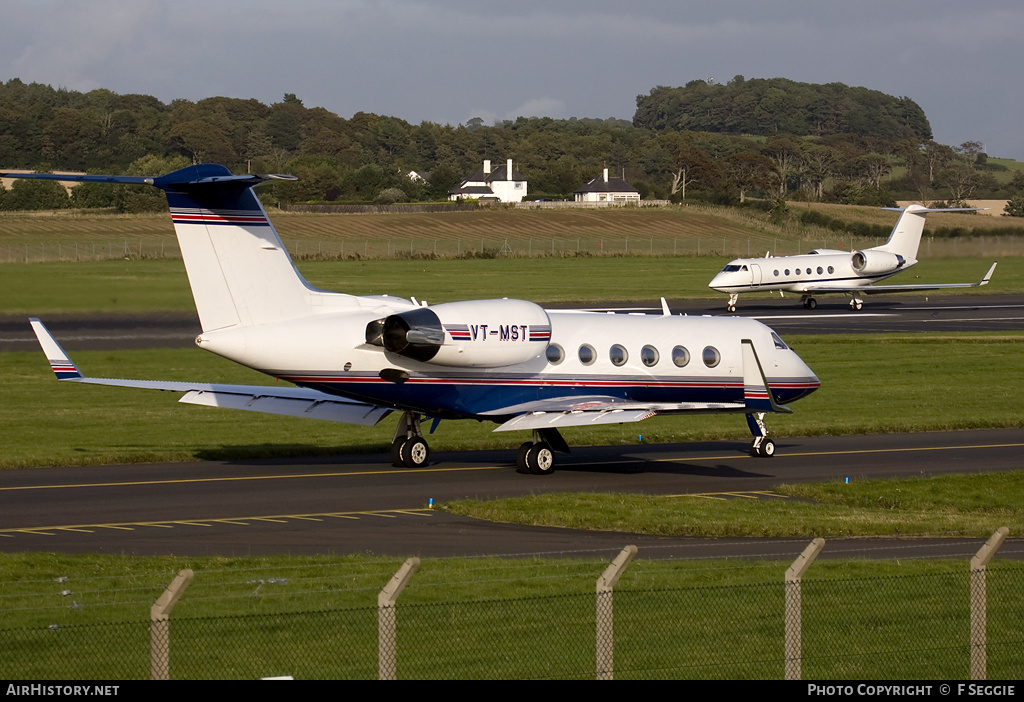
(871, 262)
(477, 333)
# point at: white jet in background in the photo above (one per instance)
(825, 271)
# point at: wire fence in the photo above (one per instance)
(921, 625)
(351, 249)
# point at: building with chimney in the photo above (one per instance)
(501, 184)
(610, 190)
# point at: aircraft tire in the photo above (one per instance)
(521, 465)
(415, 452)
(811, 303)
(766, 449)
(396, 452)
(540, 459)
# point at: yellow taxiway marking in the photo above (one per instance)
(840, 453)
(239, 478)
(237, 521)
(635, 457)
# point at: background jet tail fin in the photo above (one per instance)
(905, 238)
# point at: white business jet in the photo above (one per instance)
(833, 271)
(357, 359)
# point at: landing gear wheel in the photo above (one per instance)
(521, 464)
(396, 452)
(810, 303)
(856, 304)
(764, 449)
(414, 452)
(730, 308)
(540, 459)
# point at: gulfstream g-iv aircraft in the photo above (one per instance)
(832, 271)
(357, 359)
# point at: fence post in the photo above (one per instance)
(979, 617)
(605, 635)
(794, 575)
(159, 626)
(387, 640)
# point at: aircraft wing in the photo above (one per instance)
(291, 401)
(876, 289)
(590, 410)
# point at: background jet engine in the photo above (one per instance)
(478, 333)
(871, 262)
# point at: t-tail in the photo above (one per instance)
(905, 238)
(239, 270)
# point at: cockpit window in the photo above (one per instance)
(779, 343)
(733, 267)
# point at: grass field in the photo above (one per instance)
(45, 422)
(852, 615)
(134, 286)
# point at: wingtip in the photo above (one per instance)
(61, 365)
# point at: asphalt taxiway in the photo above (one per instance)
(363, 505)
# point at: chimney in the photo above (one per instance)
(487, 166)
(605, 175)
(509, 163)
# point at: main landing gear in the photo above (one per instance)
(409, 449)
(761, 446)
(809, 302)
(538, 456)
(856, 303)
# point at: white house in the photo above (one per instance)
(611, 190)
(502, 184)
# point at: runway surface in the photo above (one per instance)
(362, 505)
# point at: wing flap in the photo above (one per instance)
(550, 420)
(316, 406)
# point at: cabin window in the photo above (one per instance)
(711, 356)
(649, 356)
(820, 270)
(618, 354)
(555, 354)
(787, 271)
(680, 356)
(587, 354)
(776, 273)
(831, 270)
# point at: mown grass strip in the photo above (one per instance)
(912, 382)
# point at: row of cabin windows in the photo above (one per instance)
(808, 271)
(649, 355)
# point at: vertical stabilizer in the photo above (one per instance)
(906, 235)
(239, 270)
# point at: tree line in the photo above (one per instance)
(370, 157)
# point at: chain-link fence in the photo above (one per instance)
(483, 247)
(903, 626)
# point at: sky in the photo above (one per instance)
(449, 61)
